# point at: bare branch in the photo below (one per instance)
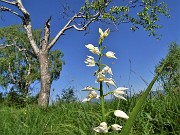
(45, 40)
(29, 65)
(68, 26)
(86, 25)
(22, 9)
(4, 46)
(11, 11)
(61, 32)
(27, 25)
(9, 2)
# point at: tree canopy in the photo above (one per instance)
(144, 13)
(170, 77)
(19, 65)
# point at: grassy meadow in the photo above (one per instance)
(159, 116)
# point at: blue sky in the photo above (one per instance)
(143, 51)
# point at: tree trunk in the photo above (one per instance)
(44, 94)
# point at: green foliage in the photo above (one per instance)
(160, 116)
(68, 95)
(55, 64)
(16, 65)
(19, 65)
(170, 77)
(143, 13)
(16, 99)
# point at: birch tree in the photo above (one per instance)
(106, 11)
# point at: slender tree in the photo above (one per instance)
(107, 11)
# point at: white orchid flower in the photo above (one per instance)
(121, 114)
(102, 128)
(91, 95)
(90, 61)
(100, 77)
(108, 70)
(103, 34)
(119, 92)
(110, 81)
(116, 127)
(110, 54)
(88, 88)
(106, 33)
(89, 46)
(93, 49)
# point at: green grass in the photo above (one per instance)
(160, 116)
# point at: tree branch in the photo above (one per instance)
(84, 27)
(11, 74)
(45, 40)
(68, 26)
(20, 49)
(4, 46)
(29, 65)
(8, 2)
(11, 11)
(51, 44)
(27, 25)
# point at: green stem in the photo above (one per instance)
(102, 103)
(117, 109)
(101, 84)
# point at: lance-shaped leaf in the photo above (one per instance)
(126, 129)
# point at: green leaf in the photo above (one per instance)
(132, 117)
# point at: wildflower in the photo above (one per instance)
(100, 77)
(110, 54)
(106, 33)
(108, 70)
(91, 95)
(90, 61)
(116, 127)
(93, 49)
(90, 46)
(88, 88)
(119, 113)
(119, 92)
(102, 128)
(103, 34)
(110, 81)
